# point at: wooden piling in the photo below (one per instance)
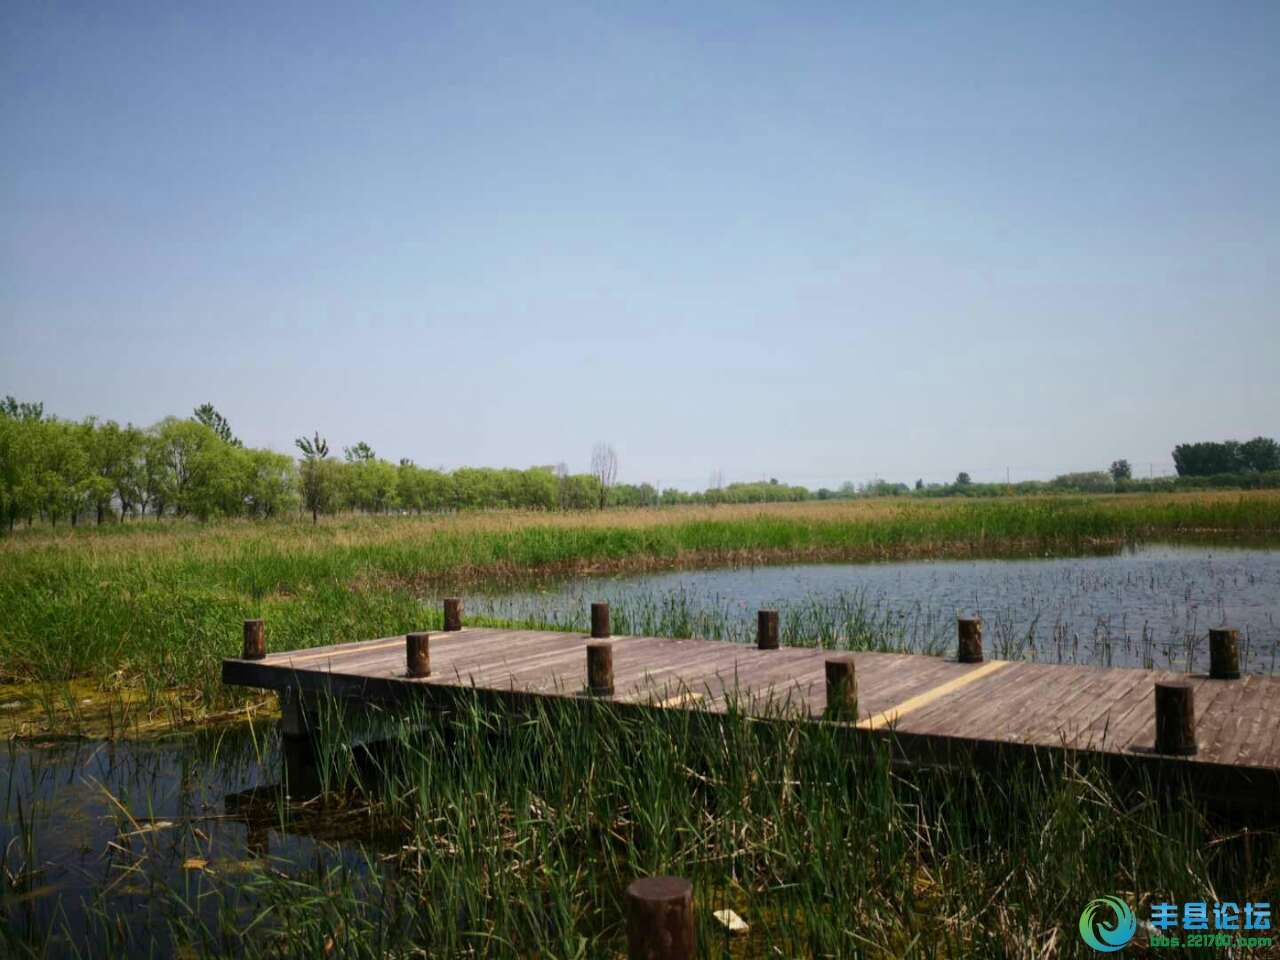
(255, 640)
(1175, 719)
(452, 613)
(1224, 655)
(842, 689)
(660, 919)
(767, 630)
(599, 621)
(969, 648)
(600, 669)
(417, 650)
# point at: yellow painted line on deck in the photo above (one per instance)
(886, 717)
(681, 700)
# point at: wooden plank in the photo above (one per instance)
(924, 700)
(893, 714)
(969, 711)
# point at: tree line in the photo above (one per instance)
(1216, 458)
(64, 471)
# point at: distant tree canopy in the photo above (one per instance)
(1211, 458)
(59, 471)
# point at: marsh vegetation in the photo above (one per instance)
(489, 834)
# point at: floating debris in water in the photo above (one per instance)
(731, 921)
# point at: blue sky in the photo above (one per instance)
(812, 241)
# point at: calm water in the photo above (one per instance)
(1145, 606)
(103, 846)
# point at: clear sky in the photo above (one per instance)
(812, 241)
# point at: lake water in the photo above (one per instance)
(1148, 606)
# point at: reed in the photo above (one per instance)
(510, 835)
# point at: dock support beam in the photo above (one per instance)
(969, 648)
(1175, 719)
(599, 621)
(452, 613)
(298, 732)
(1224, 655)
(660, 919)
(767, 630)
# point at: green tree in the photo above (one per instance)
(604, 467)
(15, 410)
(269, 482)
(319, 479)
(208, 415)
(114, 455)
(1261, 454)
(1120, 470)
(63, 471)
(1207, 458)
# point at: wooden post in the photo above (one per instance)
(767, 630)
(417, 652)
(842, 689)
(969, 649)
(600, 669)
(1175, 719)
(660, 919)
(1224, 655)
(452, 613)
(255, 640)
(599, 621)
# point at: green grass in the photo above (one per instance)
(154, 607)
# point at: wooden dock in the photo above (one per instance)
(929, 707)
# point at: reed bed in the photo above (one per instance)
(486, 834)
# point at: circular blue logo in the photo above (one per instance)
(1107, 937)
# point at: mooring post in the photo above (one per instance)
(417, 652)
(842, 689)
(660, 919)
(1224, 655)
(255, 640)
(600, 668)
(452, 613)
(969, 649)
(767, 630)
(599, 621)
(1175, 719)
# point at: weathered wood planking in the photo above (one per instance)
(917, 700)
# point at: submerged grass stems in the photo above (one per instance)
(514, 834)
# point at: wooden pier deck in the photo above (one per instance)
(929, 706)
